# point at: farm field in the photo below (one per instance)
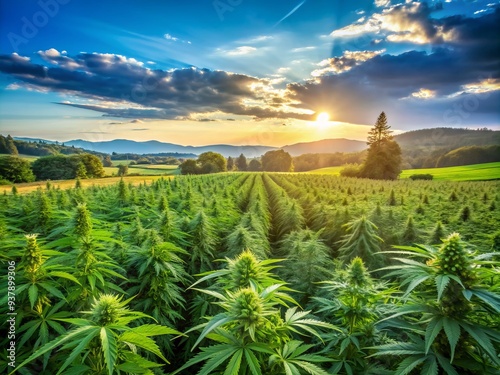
(28, 187)
(146, 170)
(481, 172)
(206, 258)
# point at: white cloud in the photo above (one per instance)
(349, 60)
(304, 49)
(424, 94)
(258, 39)
(239, 51)
(172, 38)
(410, 22)
(382, 3)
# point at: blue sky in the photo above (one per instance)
(243, 71)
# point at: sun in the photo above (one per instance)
(323, 117)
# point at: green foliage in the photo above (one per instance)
(449, 306)
(104, 343)
(255, 165)
(383, 161)
(241, 163)
(470, 155)
(277, 161)
(285, 239)
(60, 167)
(122, 170)
(361, 241)
(423, 176)
(15, 169)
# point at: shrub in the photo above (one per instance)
(426, 176)
(351, 170)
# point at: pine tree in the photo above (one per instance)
(383, 161)
(380, 132)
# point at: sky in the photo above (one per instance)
(245, 72)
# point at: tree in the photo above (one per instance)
(217, 160)
(15, 169)
(3, 145)
(107, 161)
(277, 161)
(255, 165)
(230, 163)
(11, 146)
(122, 170)
(208, 162)
(189, 167)
(383, 161)
(59, 167)
(93, 165)
(241, 163)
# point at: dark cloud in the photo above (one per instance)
(142, 92)
(389, 81)
(461, 52)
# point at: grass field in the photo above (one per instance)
(144, 169)
(474, 172)
(26, 188)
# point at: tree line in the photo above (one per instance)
(54, 167)
(213, 162)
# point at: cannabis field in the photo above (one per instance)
(251, 273)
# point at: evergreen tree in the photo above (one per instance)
(383, 161)
(11, 146)
(241, 163)
(230, 163)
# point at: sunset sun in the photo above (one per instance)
(323, 117)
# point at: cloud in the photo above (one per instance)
(410, 22)
(354, 87)
(239, 51)
(357, 85)
(257, 39)
(172, 38)
(304, 49)
(344, 63)
(124, 87)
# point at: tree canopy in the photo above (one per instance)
(15, 169)
(241, 163)
(208, 162)
(277, 161)
(60, 167)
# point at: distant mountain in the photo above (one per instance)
(325, 146)
(427, 140)
(123, 146)
(154, 147)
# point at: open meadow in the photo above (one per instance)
(479, 172)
